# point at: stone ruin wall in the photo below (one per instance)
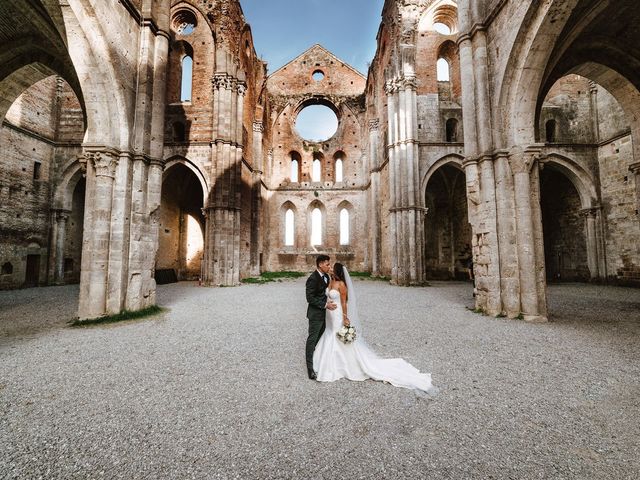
(43, 127)
(291, 88)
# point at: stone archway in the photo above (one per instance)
(181, 224)
(447, 229)
(565, 243)
(40, 137)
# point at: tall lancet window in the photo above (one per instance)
(294, 170)
(316, 171)
(316, 227)
(289, 228)
(442, 70)
(344, 227)
(339, 170)
(187, 76)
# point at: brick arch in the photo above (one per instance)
(71, 175)
(529, 65)
(191, 166)
(577, 175)
(452, 159)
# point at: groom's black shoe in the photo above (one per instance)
(312, 375)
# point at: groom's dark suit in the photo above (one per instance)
(317, 299)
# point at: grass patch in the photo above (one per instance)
(266, 277)
(285, 274)
(476, 310)
(520, 316)
(360, 274)
(119, 317)
(255, 280)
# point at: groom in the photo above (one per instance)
(316, 289)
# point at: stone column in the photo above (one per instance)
(256, 200)
(61, 231)
(374, 196)
(505, 210)
(407, 215)
(589, 215)
(392, 128)
(222, 248)
(520, 165)
(482, 98)
(101, 168)
(487, 237)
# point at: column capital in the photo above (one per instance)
(258, 127)
(409, 82)
(374, 124)
(104, 161)
(589, 212)
(224, 81)
(391, 86)
(61, 214)
(521, 160)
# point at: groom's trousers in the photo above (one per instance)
(316, 329)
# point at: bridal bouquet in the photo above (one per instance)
(347, 334)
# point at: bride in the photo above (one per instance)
(356, 361)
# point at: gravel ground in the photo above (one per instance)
(217, 388)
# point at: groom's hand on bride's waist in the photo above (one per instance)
(331, 306)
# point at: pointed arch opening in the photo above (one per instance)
(447, 228)
(295, 167)
(338, 161)
(181, 225)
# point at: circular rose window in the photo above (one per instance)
(316, 123)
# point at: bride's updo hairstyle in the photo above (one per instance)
(338, 271)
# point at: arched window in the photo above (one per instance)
(442, 68)
(187, 75)
(316, 171)
(452, 130)
(344, 227)
(550, 130)
(316, 227)
(294, 170)
(339, 170)
(289, 228)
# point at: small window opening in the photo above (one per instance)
(7, 268)
(316, 227)
(344, 227)
(442, 70)
(316, 171)
(187, 75)
(289, 228)
(36, 170)
(339, 170)
(318, 75)
(452, 130)
(550, 131)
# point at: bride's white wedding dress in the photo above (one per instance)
(333, 359)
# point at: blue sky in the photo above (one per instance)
(282, 29)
